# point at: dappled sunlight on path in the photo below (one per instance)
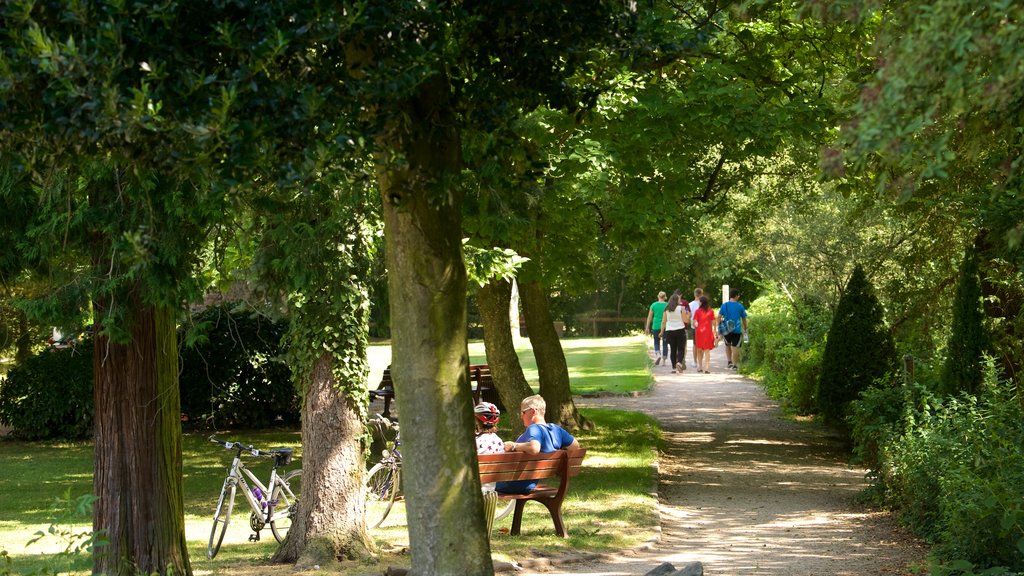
(745, 492)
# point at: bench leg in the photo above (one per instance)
(387, 407)
(517, 517)
(555, 509)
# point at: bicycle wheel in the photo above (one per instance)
(502, 512)
(382, 484)
(221, 517)
(285, 503)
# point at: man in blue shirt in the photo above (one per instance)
(539, 437)
(734, 312)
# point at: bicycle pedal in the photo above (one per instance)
(254, 537)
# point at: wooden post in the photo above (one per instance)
(908, 369)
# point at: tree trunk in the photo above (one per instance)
(138, 446)
(330, 524)
(551, 366)
(493, 301)
(23, 345)
(427, 286)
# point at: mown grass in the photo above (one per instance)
(609, 504)
(596, 365)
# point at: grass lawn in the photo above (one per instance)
(609, 505)
(596, 365)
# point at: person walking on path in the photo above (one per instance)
(654, 314)
(733, 315)
(673, 326)
(705, 336)
(692, 330)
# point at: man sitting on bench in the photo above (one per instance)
(540, 437)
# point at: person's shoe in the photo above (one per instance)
(657, 361)
(734, 367)
(680, 367)
(693, 364)
(729, 365)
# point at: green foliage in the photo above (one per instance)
(858, 351)
(955, 471)
(233, 374)
(483, 265)
(50, 394)
(785, 350)
(968, 341)
(876, 419)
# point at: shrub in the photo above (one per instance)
(967, 341)
(858, 351)
(955, 472)
(233, 373)
(49, 396)
(785, 348)
(875, 419)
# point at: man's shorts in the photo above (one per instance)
(734, 339)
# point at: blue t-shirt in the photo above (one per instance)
(551, 437)
(734, 311)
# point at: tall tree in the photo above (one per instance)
(139, 126)
(462, 66)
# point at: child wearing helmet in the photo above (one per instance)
(487, 441)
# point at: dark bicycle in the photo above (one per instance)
(384, 480)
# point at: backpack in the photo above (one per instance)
(729, 326)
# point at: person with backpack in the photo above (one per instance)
(732, 326)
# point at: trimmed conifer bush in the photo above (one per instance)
(963, 370)
(859, 349)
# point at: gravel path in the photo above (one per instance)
(745, 492)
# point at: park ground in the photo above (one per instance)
(744, 490)
(738, 487)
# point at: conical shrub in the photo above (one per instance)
(859, 349)
(968, 340)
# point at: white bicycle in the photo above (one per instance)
(275, 503)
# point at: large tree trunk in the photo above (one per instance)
(330, 524)
(551, 366)
(427, 286)
(138, 446)
(493, 301)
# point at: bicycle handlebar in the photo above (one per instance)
(230, 445)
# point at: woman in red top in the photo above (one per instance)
(707, 333)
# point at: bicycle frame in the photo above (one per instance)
(238, 475)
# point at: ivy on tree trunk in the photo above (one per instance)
(330, 524)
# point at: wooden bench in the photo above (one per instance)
(386, 391)
(479, 375)
(561, 464)
(483, 385)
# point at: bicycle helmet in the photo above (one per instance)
(487, 413)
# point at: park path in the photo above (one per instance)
(747, 493)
